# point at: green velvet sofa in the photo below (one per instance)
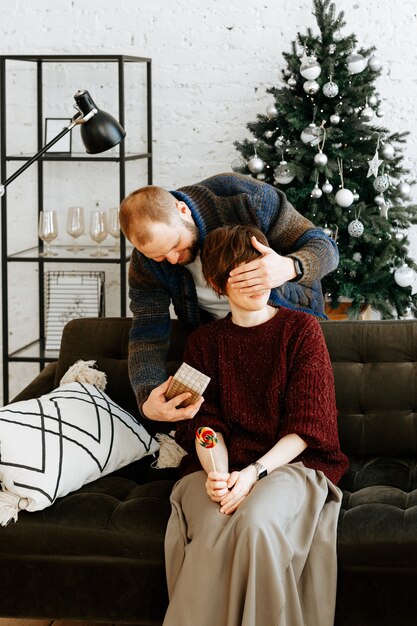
(97, 554)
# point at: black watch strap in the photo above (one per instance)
(298, 270)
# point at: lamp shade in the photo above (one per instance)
(101, 132)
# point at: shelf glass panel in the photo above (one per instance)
(32, 353)
(80, 156)
(64, 255)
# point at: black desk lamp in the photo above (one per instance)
(99, 132)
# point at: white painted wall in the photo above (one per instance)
(212, 61)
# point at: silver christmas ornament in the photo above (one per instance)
(355, 196)
(332, 48)
(383, 211)
(283, 173)
(327, 231)
(381, 183)
(336, 146)
(367, 114)
(374, 164)
(404, 189)
(311, 87)
(388, 151)
(335, 119)
(287, 72)
(373, 100)
(261, 176)
(320, 159)
(327, 187)
(312, 135)
(292, 81)
(238, 165)
(355, 228)
(316, 192)
(269, 134)
(255, 165)
(279, 142)
(271, 111)
(399, 236)
(357, 257)
(344, 197)
(379, 200)
(330, 89)
(404, 276)
(310, 68)
(374, 63)
(380, 113)
(356, 63)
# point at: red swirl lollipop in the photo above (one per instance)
(207, 438)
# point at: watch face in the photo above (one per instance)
(262, 474)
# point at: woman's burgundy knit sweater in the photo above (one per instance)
(267, 381)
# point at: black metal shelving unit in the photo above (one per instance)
(35, 351)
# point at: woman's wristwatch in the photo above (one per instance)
(261, 471)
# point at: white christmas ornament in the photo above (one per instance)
(316, 192)
(271, 111)
(344, 197)
(357, 257)
(404, 276)
(256, 165)
(374, 164)
(374, 63)
(310, 68)
(355, 228)
(367, 113)
(383, 211)
(283, 173)
(292, 81)
(381, 183)
(404, 189)
(356, 63)
(330, 89)
(261, 176)
(311, 87)
(269, 134)
(327, 187)
(334, 119)
(373, 100)
(312, 135)
(379, 200)
(388, 151)
(355, 196)
(320, 159)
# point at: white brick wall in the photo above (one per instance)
(212, 61)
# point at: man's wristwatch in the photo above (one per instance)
(261, 471)
(299, 273)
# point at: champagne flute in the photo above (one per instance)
(48, 230)
(98, 231)
(75, 225)
(114, 227)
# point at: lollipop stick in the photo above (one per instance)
(212, 460)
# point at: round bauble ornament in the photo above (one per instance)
(310, 68)
(287, 72)
(255, 165)
(404, 276)
(355, 196)
(269, 134)
(379, 200)
(404, 189)
(320, 159)
(327, 187)
(271, 111)
(316, 192)
(398, 235)
(283, 173)
(381, 183)
(357, 257)
(335, 119)
(292, 81)
(261, 176)
(330, 89)
(374, 63)
(312, 135)
(311, 87)
(279, 142)
(327, 231)
(373, 100)
(356, 63)
(367, 114)
(238, 165)
(344, 197)
(387, 151)
(380, 113)
(336, 146)
(355, 228)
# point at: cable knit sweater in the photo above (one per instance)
(267, 381)
(218, 201)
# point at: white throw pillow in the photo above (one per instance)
(54, 444)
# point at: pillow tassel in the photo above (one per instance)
(85, 372)
(170, 453)
(10, 505)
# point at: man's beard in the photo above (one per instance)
(192, 251)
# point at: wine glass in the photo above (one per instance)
(75, 225)
(98, 231)
(48, 230)
(114, 227)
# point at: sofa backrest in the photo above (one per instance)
(374, 364)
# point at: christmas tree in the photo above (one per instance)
(321, 142)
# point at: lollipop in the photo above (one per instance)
(206, 437)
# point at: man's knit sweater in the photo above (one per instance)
(267, 381)
(218, 201)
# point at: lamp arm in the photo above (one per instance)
(53, 141)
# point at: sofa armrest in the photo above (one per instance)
(43, 383)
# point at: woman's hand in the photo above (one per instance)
(216, 485)
(240, 484)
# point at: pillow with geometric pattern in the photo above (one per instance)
(54, 444)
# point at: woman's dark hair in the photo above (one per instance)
(224, 249)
